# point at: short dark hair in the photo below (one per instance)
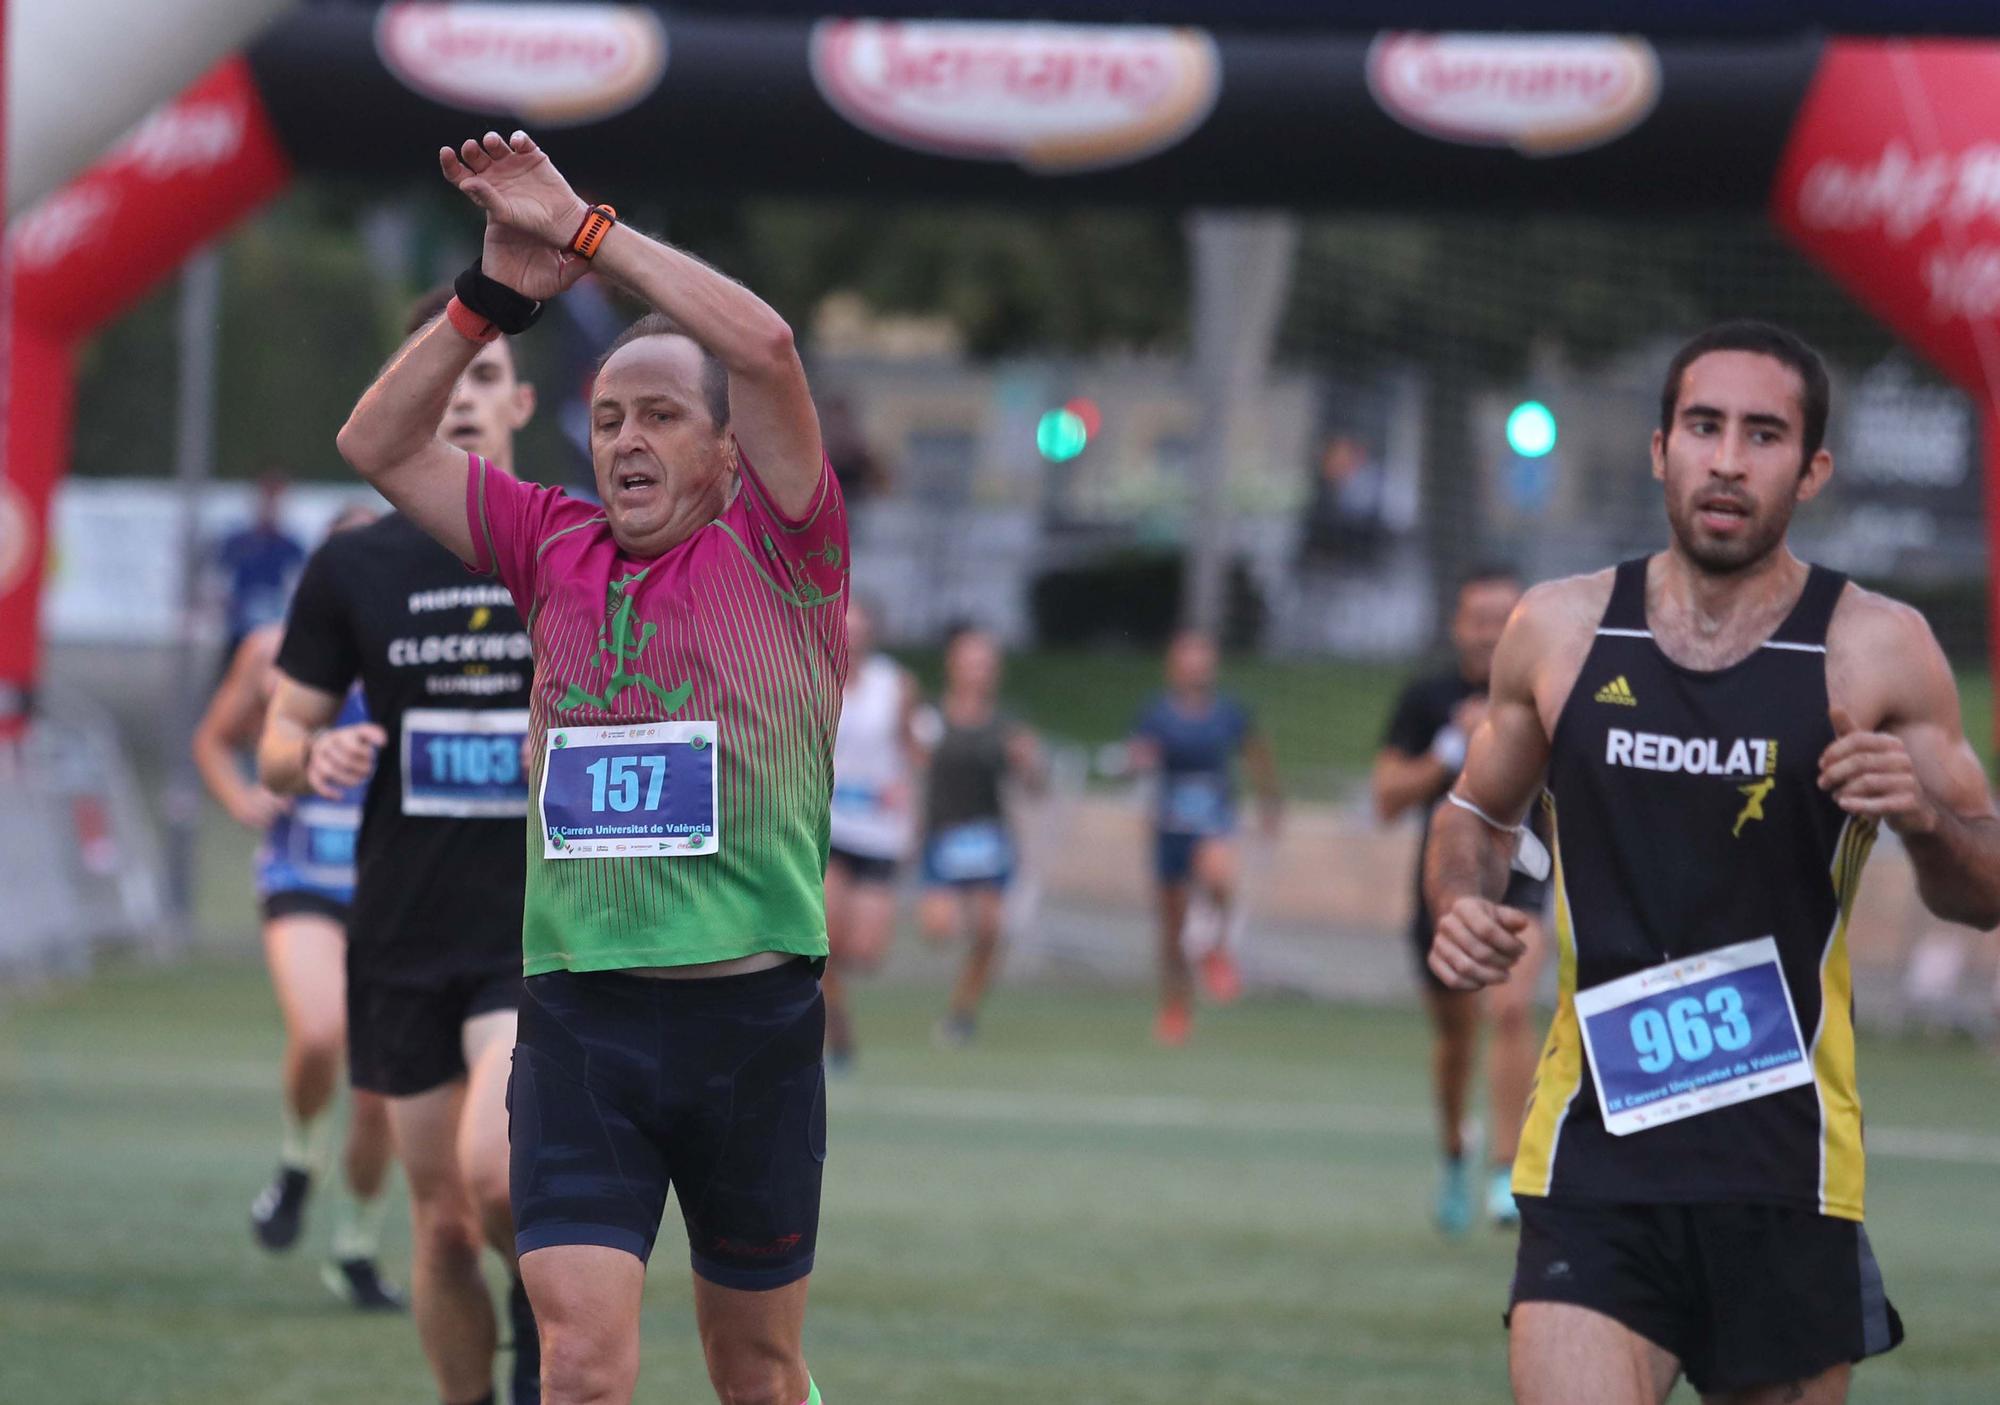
(714, 375)
(1764, 339)
(426, 309)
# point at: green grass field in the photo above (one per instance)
(1061, 1214)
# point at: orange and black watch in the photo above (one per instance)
(597, 222)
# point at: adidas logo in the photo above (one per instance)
(1618, 691)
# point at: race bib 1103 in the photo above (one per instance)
(1693, 1035)
(646, 789)
(464, 763)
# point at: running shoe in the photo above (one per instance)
(1453, 1208)
(279, 1211)
(359, 1284)
(1500, 1207)
(954, 1031)
(1220, 974)
(1172, 1026)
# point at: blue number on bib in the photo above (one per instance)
(615, 782)
(1687, 1033)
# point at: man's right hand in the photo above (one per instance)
(1477, 943)
(516, 184)
(343, 757)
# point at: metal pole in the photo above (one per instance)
(1242, 271)
(199, 327)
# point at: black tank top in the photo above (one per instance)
(967, 769)
(1688, 817)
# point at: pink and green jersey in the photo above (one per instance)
(743, 625)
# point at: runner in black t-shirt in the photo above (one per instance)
(1420, 757)
(434, 946)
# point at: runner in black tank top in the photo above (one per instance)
(975, 748)
(1720, 728)
(1727, 763)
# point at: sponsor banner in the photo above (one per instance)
(1049, 97)
(1542, 95)
(39, 375)
(1023, 111)
(1892, 184)
(1733, 18)
(550, 65)
(184, 175)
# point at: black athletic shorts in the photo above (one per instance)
(1743, 1295)
(863, 868)
(625, 1085)
(290, 902)
(405, 1040)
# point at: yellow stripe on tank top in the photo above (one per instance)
(1559, 1074)
(1842, 1164)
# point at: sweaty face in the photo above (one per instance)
(1191, 663)
(1732, 458)
(662, 464)
(1477, 624)
(488, 405)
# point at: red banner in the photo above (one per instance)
(1892, 184)
(184, 175)
(81, 257)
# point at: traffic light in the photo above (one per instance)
(1531, 430)
(1064, 432)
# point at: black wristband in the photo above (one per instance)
(496, 302)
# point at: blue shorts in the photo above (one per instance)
(625, 1085)
(1173, 854)
(976, 854)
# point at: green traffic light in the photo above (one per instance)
(1061, 435)
(1531, 430)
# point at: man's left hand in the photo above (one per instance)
(1872, 774)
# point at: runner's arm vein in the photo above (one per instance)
(1505, 759)
(770, 406)
(391, 438)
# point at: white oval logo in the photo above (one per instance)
(1049, 97)
(553, 65)
(1542, 95)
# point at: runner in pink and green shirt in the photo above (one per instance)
(690, 650)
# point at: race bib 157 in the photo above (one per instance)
(641, 790)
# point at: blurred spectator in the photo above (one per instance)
(862, 475)
(1344, 518)
(259, 564)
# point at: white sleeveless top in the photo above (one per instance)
(872, 795)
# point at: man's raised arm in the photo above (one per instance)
(1475, 830)
(771, 409)
(391, 438)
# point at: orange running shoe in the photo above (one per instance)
(1172, 1026)
(1219, 974)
